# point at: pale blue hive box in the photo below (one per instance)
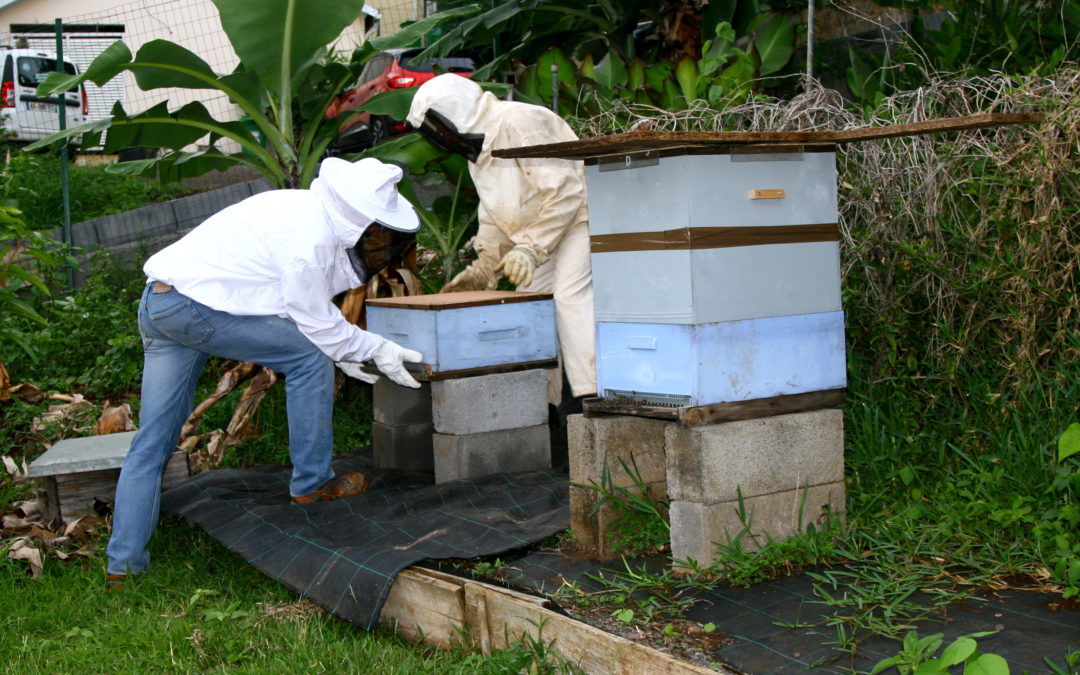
(705, 364)
(465, 331)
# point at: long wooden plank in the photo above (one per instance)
(442, 609)
(641, 141)
(732, 411)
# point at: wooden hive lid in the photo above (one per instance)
(442, 301)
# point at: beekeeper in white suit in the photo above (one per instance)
(256, 282)
(533, 217)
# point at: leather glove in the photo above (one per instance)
(357, 371)
(390, 359)
(518, 265)
(475, 277)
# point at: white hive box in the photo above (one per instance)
(467, 331)
(698, 239)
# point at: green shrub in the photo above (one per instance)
(91, 343)
(33, 182)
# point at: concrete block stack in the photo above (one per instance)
(608, 445)
(770, 477)
(490, 423)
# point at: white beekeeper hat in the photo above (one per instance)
(370, 187)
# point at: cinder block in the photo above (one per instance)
(709, 464)
(696, 528)
(596, 443)
(398, 405)
(471, 405)
(505, 450)
(403, 446)
(606, 441)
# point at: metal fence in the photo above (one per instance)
(193, 24)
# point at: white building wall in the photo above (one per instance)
(193, 24)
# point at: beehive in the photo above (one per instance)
(465, 331)
(716, 277)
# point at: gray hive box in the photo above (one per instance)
(75, 472)
(716, 261)
(461, 333)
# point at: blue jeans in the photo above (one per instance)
(179, 335)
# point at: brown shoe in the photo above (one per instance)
(345, 485)
(115, 582)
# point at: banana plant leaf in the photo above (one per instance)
(417, 31)
(278, 39)
(775, 43)
(179, 165)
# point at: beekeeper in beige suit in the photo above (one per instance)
(533, 218)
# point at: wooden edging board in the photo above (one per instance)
(444, 610)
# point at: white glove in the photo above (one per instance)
(357, 371)
(472, 278)
(390, 358)
(518, 265)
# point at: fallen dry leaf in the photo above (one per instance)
(12, 468)
(114, 420)
(28, 392)
(59, 411)
(22, 549)
(28, 509)
(72, 526)
(14, 523)
(5, 384)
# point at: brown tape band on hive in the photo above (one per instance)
(714, 237)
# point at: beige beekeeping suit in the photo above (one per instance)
(531, 210)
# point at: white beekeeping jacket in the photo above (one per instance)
(531, 201)
(277, 253)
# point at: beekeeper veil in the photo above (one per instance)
(375, 224)
(446, 110)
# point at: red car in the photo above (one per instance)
(392, 69)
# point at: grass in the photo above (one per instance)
(202, 609)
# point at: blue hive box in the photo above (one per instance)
(731, 361)
(465, 331)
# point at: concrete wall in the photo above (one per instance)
(134, 235)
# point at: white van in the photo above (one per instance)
(25, 116)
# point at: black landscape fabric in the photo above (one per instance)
(343, 555)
